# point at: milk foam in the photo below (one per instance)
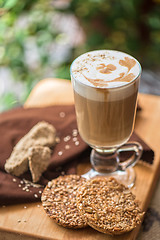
(104, 69)
(91, 65)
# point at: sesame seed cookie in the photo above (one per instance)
(108, 206)
(59, 201)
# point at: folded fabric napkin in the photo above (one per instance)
(70, 150)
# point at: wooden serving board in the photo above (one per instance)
(29, 221)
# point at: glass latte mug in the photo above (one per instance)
(105, 84)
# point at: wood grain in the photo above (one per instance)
(31, 223)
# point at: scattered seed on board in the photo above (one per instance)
(75, 132)
(60, 153)
(67, 147)
(62, 114)
(74, 139)
(67, 138)
(77, 143)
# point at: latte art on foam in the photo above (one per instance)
(105, 69)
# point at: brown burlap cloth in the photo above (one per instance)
(14, 124)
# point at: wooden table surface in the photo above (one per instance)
(29, 222)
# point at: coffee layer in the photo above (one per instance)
(105, 124)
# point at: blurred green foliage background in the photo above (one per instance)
(29, 36)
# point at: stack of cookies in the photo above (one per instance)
(101, 203)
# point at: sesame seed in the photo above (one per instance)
(67, 138)
(57, 140)
(74, 139)
(75, 132)
(14, 180)
(62, 114)
(77, 143)
(60, 153)
(35, 195)
(67, 147)
(19, 185)
(50, 184)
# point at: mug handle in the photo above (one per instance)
(130, 147)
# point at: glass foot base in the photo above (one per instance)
(126, 177)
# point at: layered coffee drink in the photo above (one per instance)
(105, 87)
